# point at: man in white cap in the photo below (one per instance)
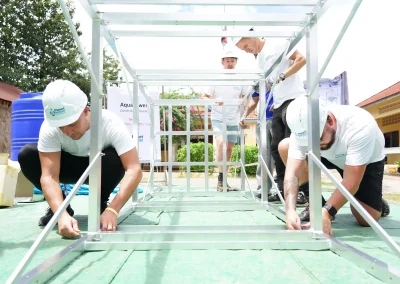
(232, 113)
(352, 143)
(289, 86)
(62, 155)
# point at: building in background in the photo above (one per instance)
(385, 108)
(8, 94)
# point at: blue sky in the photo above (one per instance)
(368, 51)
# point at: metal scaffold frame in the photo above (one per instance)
(145, 237)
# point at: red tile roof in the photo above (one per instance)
(8, 92)
(392, 90)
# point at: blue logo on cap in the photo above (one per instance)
(57, 111)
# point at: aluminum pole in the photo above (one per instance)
(314, 173)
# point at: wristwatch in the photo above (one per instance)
(282, 76)
(331, 210)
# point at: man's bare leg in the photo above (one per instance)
(229, 150)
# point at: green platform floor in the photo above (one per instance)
(19, 230)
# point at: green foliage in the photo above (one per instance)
(36, 46)
(251, 156)
(197, 154)
(178, 117)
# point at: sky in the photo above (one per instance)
(368, 51)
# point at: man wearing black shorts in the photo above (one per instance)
(352, 143)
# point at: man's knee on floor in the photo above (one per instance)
(361, 221)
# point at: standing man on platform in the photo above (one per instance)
(232, 114)
(62, 155)
(255, 101)
(288, 87)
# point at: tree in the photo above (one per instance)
(36, 46)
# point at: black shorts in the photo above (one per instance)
(370, 190)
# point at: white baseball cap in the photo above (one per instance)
(297, 119)
(235, 40)
(63, 103)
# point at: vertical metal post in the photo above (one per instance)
(313, 127)
(165, 141)
(242, 156)
(95, 128)
(188, 148)
(135, 135)
(224, 147)
(170, 149)
(263, 136)
(152, 145)
(206, 146)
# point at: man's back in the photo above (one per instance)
(358, 139)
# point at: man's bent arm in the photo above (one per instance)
(352, 176)
(50, 164)
(298, 62)
(252, 106)
(132, 178)
(291, 183)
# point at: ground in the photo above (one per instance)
(19, 224)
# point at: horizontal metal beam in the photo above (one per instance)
(198, 207)
(201, 77)
(197, 83)
(52, 266)
(265, 34)
(258, 72)
(197, 133)
(182, 164)
(192, 102)
(255, 19)
(202, 205)
(312, 245)
(206, 237)
(173, 228)
(211, 2)
(383, 271)
(200, 193)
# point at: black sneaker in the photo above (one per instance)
(274, 197)
(385, 208)
(44, 220)
(305, 215)
(301, 198)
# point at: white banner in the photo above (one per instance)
(119, 102)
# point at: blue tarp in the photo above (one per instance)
(83, 190)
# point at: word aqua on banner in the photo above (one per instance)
(119, 103)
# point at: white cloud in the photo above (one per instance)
(367, 51)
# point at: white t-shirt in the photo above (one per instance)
(358, 139)
(292, 87)
(114, 133)
(232, 113)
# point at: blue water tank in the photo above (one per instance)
(26, 119)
